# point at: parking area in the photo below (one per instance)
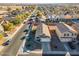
(56, 44)
(31, 44)
(73, 49)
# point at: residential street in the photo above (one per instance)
(13, 47)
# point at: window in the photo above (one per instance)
(64, 34)
(75, 33)
(67, 34)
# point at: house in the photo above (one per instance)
(43, 33)
(65, 32)
(61, 18)
(43, 36)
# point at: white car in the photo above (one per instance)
(28, 51)
(26, 36)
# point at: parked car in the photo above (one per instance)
(25, 30)
(71, 45)
(24, 22)
(78, 43)
(5, 34)
(28, 51)
(6, 43)
(27, 36)
(23, 38)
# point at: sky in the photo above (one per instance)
(39, 1)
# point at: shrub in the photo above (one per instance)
(8, 26)
(16, 22)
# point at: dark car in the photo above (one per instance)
(25, 30)
(24, 22)
(33, 16)
(30, 22)
(78, 43)
(6, 43)
(5, 34)
(71, 45)
(23, 38)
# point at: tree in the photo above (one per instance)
(39, 14)
(8, 26)
(1, 36)
(16, 21)
(22, 16)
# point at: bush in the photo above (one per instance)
(1, 36)
(22, 16)
(8, 26)
(16, 22)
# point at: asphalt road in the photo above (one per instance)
(12, 48)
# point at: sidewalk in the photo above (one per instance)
(1, 47)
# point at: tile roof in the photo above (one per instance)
(42, 29)
(65, 28)
(62, 27)
(76, 26)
